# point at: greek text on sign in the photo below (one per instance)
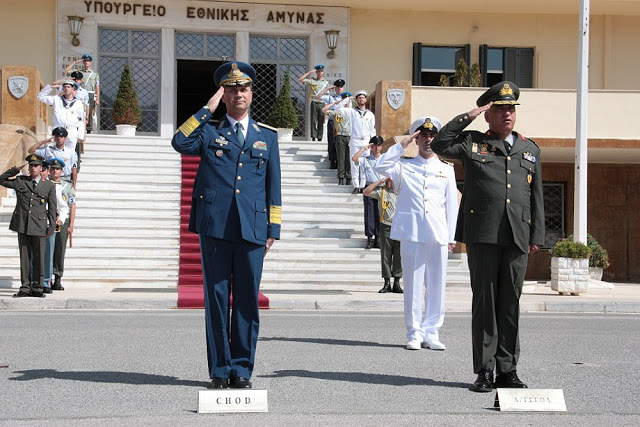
(530, 400)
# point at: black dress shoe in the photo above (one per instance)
(240, 382)
(484, 381)
(347, 181)
(355, 190)
(508, 380)
(57, 287)
(397, 289)
(340, 181)
(21, 294)
(386, 288)
(369, 243)
(218, 383)
(46, 290)
(37, 294)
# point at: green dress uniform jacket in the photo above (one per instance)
(501, 214)
(35, 211)
(496, 182)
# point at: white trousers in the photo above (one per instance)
(358, 178)
(424, 266)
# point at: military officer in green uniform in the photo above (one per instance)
(316, 85)
(501, 219)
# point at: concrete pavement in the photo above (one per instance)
(537, 297)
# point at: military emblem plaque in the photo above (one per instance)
(395, 98)
(18, 86)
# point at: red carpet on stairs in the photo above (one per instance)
(190, 289)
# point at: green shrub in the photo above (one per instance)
(126, 109)
(569, 249)
(282, 114)
(599, 257)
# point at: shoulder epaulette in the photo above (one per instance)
(528, 139)
(446, 162)
(267, 127)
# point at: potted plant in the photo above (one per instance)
(570, 267)
(599, 259)
(283, 114)
(126, 109)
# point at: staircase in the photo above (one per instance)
(126, 230)
(128, 224)
(322, 241)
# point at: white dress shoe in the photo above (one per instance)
(433, 344)
(413, 345)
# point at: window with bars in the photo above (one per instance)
(271, 56)
(554, 209)
(141, 51)
(210, 46)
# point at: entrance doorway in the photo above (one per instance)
(195, 87)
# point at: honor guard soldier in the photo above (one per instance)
(501, 220)
(337, 100)
(236, 210)
(424, 223)
(316, 85)
(34, 218)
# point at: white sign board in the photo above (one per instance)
(232, 400)
(530, 400)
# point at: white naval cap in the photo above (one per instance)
(428, 123)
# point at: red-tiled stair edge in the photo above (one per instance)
(190, 290)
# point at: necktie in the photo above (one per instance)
(239, 133)
(507, 146)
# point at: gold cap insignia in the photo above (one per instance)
(428, 124)
(506, 90)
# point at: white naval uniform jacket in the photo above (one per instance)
(427, 207)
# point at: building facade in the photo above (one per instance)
(173, 46)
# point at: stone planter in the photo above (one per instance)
(285, 135)
(569, 275)
(126, 130)
(595, 273)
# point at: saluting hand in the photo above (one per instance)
(479, 110)
(214, 101)
(409, 138)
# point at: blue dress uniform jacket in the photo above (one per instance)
(236, 207)
(246, 176)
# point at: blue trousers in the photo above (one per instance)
(231, 268)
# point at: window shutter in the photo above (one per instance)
(525, 67)
(416, 78)
(483, 63)
(509, 62)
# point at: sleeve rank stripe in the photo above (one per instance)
(275, 215)
(189, 126)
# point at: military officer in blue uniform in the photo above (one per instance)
(236, 210)
(501, 219)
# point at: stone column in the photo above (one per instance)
(392, 104)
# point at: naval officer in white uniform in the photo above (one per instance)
(425, 224)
